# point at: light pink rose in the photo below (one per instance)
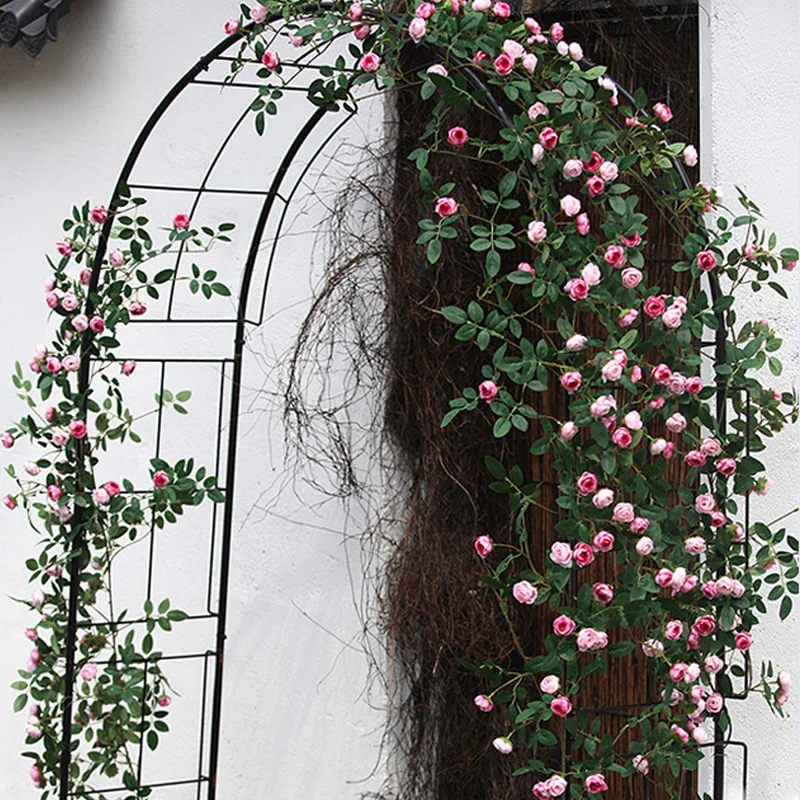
(550, 684)
(556, 32)
(706, 260)
(714, 701)
(529, 62)
(556, 785)
(537, 231)
(608, 171)
(603, 406)
(483, 703)
(711, 447)
(541, 791)
(633, 421)
(713, 664)
(652, 648)
(641, 764)
(502, 745)
(676, 384)
(644, 546)
(639, 525)
(676, 423)
(726, 466)
(538, 153)
(694, 385)
(561, 554)
(627, 318)
(425, 11)
(575, 343)
(587, 483)
(622, 437)
(690, 155)
(417, 29)
(591, 274)
(525, 592)
(258, 13)
(568, 431)
(603, 499)
(611, 371)
(502, 10)
(631, 277)
(89, 672)
(69, 302)
(231, 26)
(537, 110)
(503, 65)
(623, 512)
(582, 224)
(524, 266)
(80, 323)
(575, 51)
(570, 205)
(433, 69)
(695, 545)
(704, 503)
(573, 168)
(672, 317)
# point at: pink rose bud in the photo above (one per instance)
(64, 247)
(575, 343)
(483, 544)
(644, 546)
(417, 29)
(98, 215)
(561, 554)
(583, 554)
(160, 479)
(164, 700)
(77, 429)
(623, 512)
(664, 577)
(571, 381)
(561, 706)
(488, 391)
(258, 13)
(570, 205)
(663, 112)
(181, 222)
(706, 260)
(128, 367)
(361, 32)
(484, 703)
(582, 224)
(355, 12)
(80, 323)
(502, 745)
(603, 499)
(556, 32)
(136, 309)
(743, 640)
(54, 492)
(695, 545)
(9, 502)
(713, 664)
(231, 26)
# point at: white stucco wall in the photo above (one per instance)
(751, 116)
(295, 712)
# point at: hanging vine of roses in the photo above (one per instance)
(84, 517)
(691, 583)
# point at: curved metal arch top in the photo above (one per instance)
(273, 201)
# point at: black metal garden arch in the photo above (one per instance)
(250, 303)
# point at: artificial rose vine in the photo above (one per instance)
(120, 695)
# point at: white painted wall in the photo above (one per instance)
(295, 709)
(751, 117)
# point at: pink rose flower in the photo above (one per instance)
(595, 186)
(695, 545)
(503, 65)
(595, 783)
(483, 544)
(627, 318)
(704, 503)
(561, 706)
(231, 26)
(446, 206)
(69, 302)
(609, 171)
(694, 385)
(639, 525)
(425, 11)
(100, 497)
(704, 625)
(525, 592)
(662, 374)
(64, 247)
(570, 205)
(457, 136)
(80, 322)
(603, 541)
(513, 48)
(587, 483)
(690, 155)
(663, 112)
(714, 702)
(89, 672)
(614, 255)
(488, 391)
(97, 324)
(524, 266)
(576, 288)
(575, 343)
(583, 554)
(711, 447)
(641, 764)
(674, 630)
(541, 791)
(622, 437)
(362, 31)
(713, 664)
(85, 277)
(548, 139)
(181, 222)
(706, 260)
(602, 592)
(743, 640)
(556, 32)
(112, 487)
(502, 10)
(370, 62)
(695, 458)
(726, 466)
(98, 215)
(572, 168)
(355, 11)
(571, 381)
(654, 307)
(502, 745)
(556, 785)
(77, 429)
(128, 367)
(51, 299)
(652, 648)
(563, 625)
(582, 224)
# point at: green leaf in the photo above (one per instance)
(454, 314)
(434, 250)
(20, 702)
(507, 184)
(786, 607)
(621, 649)
(501, 427)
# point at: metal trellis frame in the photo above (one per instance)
(275, 204)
